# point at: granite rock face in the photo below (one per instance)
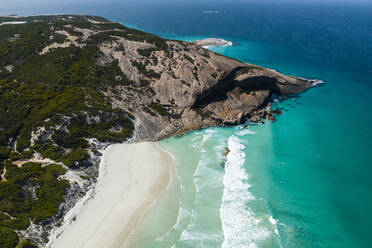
(196, 88)
(166, 86)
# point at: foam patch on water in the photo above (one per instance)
(244, 132)
(240, 226)
(274, 222)
(212, 12)
(317, 82)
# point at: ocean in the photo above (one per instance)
(301, 181)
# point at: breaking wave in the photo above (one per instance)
(212, 12)
(317, 82)
(240, 226)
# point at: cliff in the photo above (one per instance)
(71, 85)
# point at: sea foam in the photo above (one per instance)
(244, 132)
(211, 12)
(205, 178)
(317, 82)
(240, 226)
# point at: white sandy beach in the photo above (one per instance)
(134, 177)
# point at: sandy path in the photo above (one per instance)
(135, 176)
(3, 179)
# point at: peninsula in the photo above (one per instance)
(70, 86)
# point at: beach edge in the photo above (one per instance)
(145, 169)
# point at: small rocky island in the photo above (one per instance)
(72, 85)
(213, 42)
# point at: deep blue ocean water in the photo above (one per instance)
(312, 168)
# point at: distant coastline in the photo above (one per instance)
(12, 23)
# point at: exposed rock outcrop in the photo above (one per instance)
(197, 88)
(72, 85)
(213, 42)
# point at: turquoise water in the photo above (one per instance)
(310, 171)
(302, 181)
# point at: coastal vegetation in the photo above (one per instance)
(249, 68)
(26, 244)
(158, 108)
(51, 104)
(189, 59)
(19, 207)
(8, 238)
(142, 69)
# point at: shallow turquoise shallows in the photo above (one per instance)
(304, 180)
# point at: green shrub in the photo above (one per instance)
(27, 154)
(49, 197)
(19, 223)
(4, 153)
(74, 157)
(159, 109)
(3, 217)
(206, 55)
(249, 68)
(147, 110)
(14, 156)
(142, 69)
(8, 238)
(48, 150)
(146, 52)
(26, 244)
(19, 203)
(189, 59)
(84, 177)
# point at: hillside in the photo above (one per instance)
(71, 85)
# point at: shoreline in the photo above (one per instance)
(162, 215)
(172, 175)
(133, 177)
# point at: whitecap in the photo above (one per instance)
(317, 82)
(244, 132)
(240, 226)
(274, 222)
(211, 11)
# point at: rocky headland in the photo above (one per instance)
(72, 85)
